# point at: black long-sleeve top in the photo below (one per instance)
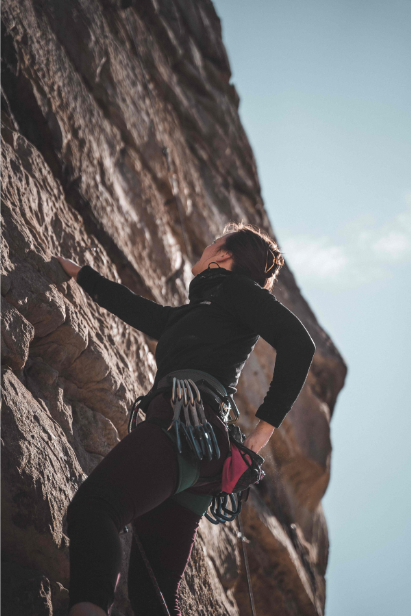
(216, 331)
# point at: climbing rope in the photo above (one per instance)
(244, 540)
(159, 130)
(151, 574)
(175, 191)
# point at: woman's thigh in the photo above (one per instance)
(136, 476)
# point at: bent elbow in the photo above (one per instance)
(309, 350)
(311, 346)
(307, 347)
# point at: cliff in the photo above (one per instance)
(93, 90)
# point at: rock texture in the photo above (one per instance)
(92, 92)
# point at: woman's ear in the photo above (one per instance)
(221, 255)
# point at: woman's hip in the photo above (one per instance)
(143, 470)
(137, 475)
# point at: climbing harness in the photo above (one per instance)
(195, 440)
(213, 392)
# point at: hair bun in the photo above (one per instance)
(254, 253)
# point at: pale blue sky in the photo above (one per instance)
(326, 102)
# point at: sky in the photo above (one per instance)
(325, 95)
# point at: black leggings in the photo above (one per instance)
(134, 482)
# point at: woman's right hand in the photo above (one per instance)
(71, 268)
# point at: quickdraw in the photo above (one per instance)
(197, 430)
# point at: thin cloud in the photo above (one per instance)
(315, 257)
(366, 254)
(395, 245)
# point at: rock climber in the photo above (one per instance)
(139, 481)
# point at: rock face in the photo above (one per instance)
(93, 90)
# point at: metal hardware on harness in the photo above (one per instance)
(197, 431)
(225, 412)
(226, 404)
(205, 429)
(219, 513)
(134, 413)
(177, 403)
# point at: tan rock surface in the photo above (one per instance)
(84, 176)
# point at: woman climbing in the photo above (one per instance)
(144, 479)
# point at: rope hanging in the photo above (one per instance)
(244, 540)
(151, 573)
(174, 187)
(159, 130)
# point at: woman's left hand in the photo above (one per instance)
(260, 436)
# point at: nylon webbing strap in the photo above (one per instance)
(151, 574)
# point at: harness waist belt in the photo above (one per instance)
(208, 385)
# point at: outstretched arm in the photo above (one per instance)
(143, 314)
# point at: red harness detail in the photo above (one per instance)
(234, 467)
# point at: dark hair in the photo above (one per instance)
(255, 254)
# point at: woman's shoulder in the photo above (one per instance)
(240, 288)
(245, 284)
